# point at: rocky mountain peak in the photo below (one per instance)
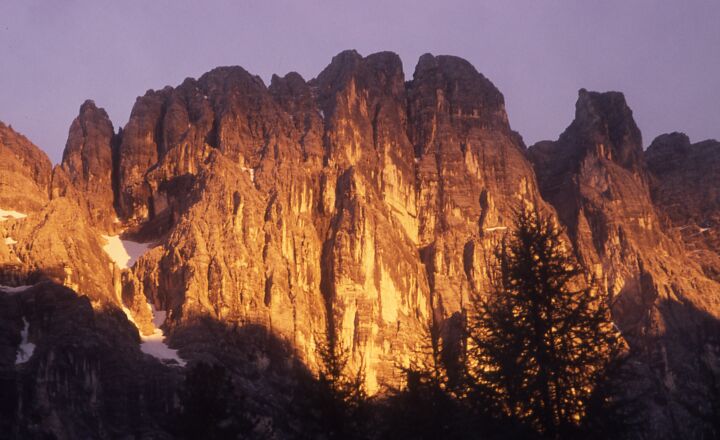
(603, 132)
(666, 149)
(88, 161)
(604, 126)
(349, 74)
(291, 82)
(685, 189)
(296, 97)
(89, 107)
(468, 92)
(24, 150)
(233, 77)
(25, 172)
(88, 147)
(449, 91)
(341, 64)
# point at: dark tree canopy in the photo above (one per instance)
(210, 407)
(339, 399)
(542, 337)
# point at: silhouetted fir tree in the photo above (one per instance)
(703, 402)
(340, 399)
(210, 408)
(614, 409)
(712, 417)
(433, 405)
(425, 407)
(543, 336)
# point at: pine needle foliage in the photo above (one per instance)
(542, 337)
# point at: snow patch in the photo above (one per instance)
(159, 316)
(496, 228)
(5, 215)
(10, 241)
(704, 230)
(124, 253)
(116, 251)
(322, 114)
(10, 290)
(155, 345)
(135, 250)
(26, 348)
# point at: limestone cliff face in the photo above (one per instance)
(53, 237)
(87, 162)
(25, 173)
(354, 204)
(61, 245)
(291, 221)
(471, 174)
(685, 187)
(372, 281)
(596, 177)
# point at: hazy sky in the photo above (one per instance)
(665, 55)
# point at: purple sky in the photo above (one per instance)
(665, 55)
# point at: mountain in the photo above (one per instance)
(250, 224)
(597, 177)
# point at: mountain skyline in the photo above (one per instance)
(57, 56)
(237, 232)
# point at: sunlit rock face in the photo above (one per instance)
(372, 281)
(471, 174)
(354, 204)
(25, 173)
(54, 238)
(87, 163)
(287, 218)
(596, 177)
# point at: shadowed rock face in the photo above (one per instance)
(686, 189)
(360, 205)
(85, 378)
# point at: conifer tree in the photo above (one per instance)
(341, 399)
(210, 407)
(425, 406)
(543, 335)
